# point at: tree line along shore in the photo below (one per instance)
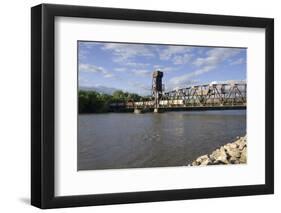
(95, 102)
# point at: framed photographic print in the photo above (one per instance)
(139, 106)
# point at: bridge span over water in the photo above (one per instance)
(216, 96)
(199, 97)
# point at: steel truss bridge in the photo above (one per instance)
(212, 94)
(201, 96)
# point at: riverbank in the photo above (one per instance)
(231, 153)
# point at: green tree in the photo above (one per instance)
(94, 102)
(119, 96)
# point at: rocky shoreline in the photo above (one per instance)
(231, 153)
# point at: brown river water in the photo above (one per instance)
(128, 140)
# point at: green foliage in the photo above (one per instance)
(94, 102)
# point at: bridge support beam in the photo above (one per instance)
(158, 110)
(138, 111)
(157, 88)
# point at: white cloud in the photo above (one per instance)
(140, 88)
(125, 54)
(129, 58)
(215, 56)
(85, 49)
(95, 69)
(230, 82)
(143, 73)
(238, 61)
(91, 68)
(128, 51)
(120, 69)
(170, 51)
(182, 59)
(206, 64)
(184, 80)
(165, 69)
(180, 83)
(108, 75)
(87, 44)
(130, 63)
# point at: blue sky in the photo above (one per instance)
(129, 66)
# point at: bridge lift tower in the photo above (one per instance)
(157, 88)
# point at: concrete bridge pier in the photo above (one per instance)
(158, 110)
(138, 111)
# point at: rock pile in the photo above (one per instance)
(231, 153)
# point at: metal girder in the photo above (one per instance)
(211, 94)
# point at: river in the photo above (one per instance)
(128, 140)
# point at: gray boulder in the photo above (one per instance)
(243, 158)
(231, 153)
(241, 143)
(205, 160)
(232, 150)
(219, 156)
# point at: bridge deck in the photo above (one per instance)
(193, 108)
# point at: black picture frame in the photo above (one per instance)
(43, 101)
